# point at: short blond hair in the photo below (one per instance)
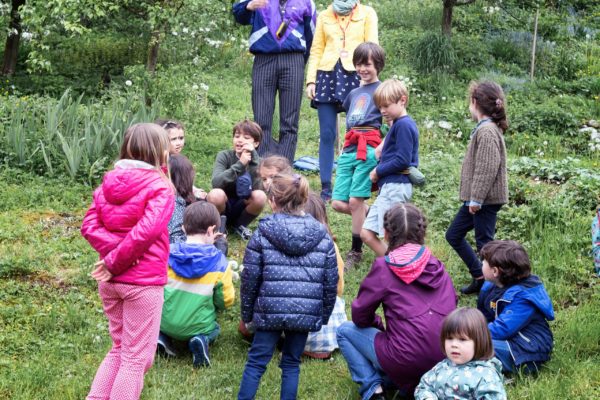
(390, 92)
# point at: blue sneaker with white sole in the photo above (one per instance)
(199, 347)
(164, 347)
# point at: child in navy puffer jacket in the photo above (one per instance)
(127, 225)
(289, 284)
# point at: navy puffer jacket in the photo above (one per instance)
(289, 281)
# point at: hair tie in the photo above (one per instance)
(296, 180)
(499, 102)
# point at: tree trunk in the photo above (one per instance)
(447, 17)
(11, 49)
(153, 48)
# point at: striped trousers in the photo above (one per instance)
(283, 73)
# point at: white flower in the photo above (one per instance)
(459, 134)
(443, 98)
(588, 36)
(196, 60)
(185, 30)
(204, 86)
(195, 87)
(428, 124)
(174, 33)
(445, 125)
(545, 143)
(128, 82)
(26, 35)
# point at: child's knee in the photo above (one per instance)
(258, 198)
(218, 198)
(356, 203)
(339, 205)
(367, 236)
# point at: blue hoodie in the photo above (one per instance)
(519, 315)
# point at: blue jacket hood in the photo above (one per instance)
(191, 260)
(534, 291)
(294, 235)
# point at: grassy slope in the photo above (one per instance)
(54, 335)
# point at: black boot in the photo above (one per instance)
(474, 287)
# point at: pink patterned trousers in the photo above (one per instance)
(133, 314)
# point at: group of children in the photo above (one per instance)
(145, 216)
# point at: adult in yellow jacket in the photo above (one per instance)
(331, 74)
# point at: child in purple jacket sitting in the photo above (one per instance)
(416, 293)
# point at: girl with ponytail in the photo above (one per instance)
(483, 178)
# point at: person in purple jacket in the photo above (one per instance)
(416, 293)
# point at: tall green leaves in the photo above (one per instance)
(434, 53)
(67, 136)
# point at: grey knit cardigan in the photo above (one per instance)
(483, 177)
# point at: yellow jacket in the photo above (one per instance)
(328, 42)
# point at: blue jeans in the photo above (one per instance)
(260, 354)
(502, 353)
(328, 133)
(358, 348)
(484, 224)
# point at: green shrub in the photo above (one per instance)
(434, 52)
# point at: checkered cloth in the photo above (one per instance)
(324, 340)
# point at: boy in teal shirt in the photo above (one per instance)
(363, 123)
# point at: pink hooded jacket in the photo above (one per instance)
(127, 223)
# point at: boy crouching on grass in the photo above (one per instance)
(236, 181)
(200, 283)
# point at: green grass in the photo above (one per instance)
(54, 335)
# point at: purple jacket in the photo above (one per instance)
(409, 344)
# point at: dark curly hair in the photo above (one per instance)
(510, 258)
(404, 223)
(490, 100)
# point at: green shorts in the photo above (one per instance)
(352, 176)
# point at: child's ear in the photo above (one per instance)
(256, 145)
(403, 100)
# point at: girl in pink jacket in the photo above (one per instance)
(127, 225)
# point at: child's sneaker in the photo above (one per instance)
(243, 231)
(199, 348)
(352, 259)
(164, 347)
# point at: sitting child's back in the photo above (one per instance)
(199, 284)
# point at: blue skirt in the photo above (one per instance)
(334, 86)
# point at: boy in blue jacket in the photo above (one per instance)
(516, 306)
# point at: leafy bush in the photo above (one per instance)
(434, 52)
(68, 137)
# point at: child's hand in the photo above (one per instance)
(256, 4)
(378, 150)
(474, 209)
(373, 176)
(101, 273)
(199, 193)
(310, 91)
(245, 157)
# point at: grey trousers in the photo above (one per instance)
(283, 73)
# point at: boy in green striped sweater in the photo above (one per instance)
(200, 283)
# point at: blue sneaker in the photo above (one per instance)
(199, 347)
(164, 347)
